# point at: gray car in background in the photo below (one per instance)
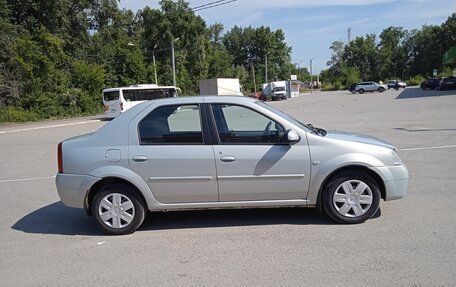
(222, 152)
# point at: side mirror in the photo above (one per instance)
(291, 137)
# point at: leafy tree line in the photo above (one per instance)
(57, 56)
(396, 54)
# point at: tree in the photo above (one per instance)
(424, 50)
(392, 53)
(362, 54)
(174, 21)
(249, 46)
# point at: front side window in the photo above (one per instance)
(177, 124)
(241, 125)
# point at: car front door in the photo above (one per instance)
(252, 163)
(173, 156)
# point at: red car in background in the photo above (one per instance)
(258, 96)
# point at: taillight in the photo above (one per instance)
(106, 108)
(121, 106)
(59, 157)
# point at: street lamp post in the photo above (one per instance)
(155, 67)
(311, 76)
(253, 74)
(173, 62)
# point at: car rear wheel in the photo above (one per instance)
(117, 210)
(351, 197)
(353, 92)
(381, 90)
(361, 91)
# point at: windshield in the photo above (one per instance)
(278, 89)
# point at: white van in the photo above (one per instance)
(118, 100)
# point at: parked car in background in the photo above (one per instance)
(392, 84)
(370, 87)
(222, 152)
(447, 83)
(430, 84)
(352, 88)
(258, 95)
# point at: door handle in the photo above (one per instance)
(139, 158)
(227, 158)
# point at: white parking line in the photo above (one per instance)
(428, 148)
(26, 179)
(49, 127)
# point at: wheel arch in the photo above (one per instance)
(108, 181)
(358, 168)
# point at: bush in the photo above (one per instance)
(415, 80)
(16, 114)
(328, 87)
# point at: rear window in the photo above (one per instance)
(111, 96)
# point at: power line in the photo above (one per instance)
(212, 5)
(208, 4)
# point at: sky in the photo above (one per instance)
(310, 26)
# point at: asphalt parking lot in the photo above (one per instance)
(411, 243)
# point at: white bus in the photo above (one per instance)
(118, 100)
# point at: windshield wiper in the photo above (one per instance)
(316, 130)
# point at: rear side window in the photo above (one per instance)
(111, 96)
(177, 124)
(147, 94)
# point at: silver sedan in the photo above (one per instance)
(222, 152)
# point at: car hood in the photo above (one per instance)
(359, 138)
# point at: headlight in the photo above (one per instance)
(396, 158)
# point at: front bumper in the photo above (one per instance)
(72, 188)
(396, 179)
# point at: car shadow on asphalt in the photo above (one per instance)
(234, 217)
(56, 218)
(416, 92)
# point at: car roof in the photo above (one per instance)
(204, 99)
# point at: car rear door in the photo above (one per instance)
(169, 149)
(252, 164)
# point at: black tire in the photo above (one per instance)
(353, 92)
(361, 91)
(124, 193)
(381, 90)
(335, 209)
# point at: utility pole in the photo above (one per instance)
(266, 67)
(173, 62)
(311, 76)
(253, 73)
(155, 67)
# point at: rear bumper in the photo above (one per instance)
(111, 115)
(72, 188)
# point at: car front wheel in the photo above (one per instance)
(351, 197)
(361, 91)
(117, 210)
(381, 90)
